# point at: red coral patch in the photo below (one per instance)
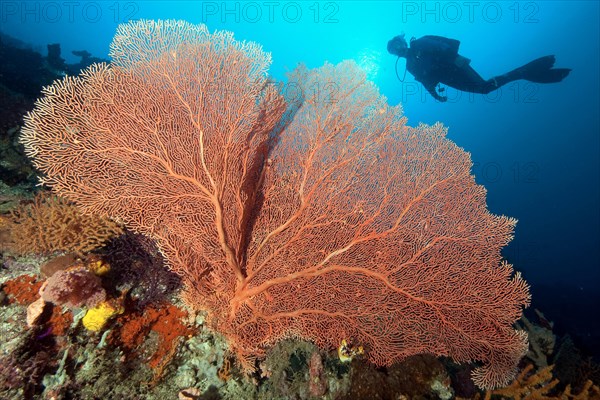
(23, 289)
(166, 321)
(60, 321)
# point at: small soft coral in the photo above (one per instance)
(74, 288)
(49, 224)
(22, 369)
(137, 265)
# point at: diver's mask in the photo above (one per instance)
(397, 46)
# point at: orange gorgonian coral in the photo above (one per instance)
(334, 220)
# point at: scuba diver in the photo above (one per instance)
(435, 59)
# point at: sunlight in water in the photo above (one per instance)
(369, 60)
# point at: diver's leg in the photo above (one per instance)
(468, 80)
(465, 78)
(500, 80)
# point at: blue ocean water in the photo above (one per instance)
(535, 147)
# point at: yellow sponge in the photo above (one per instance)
(98, 267)
(96, 318)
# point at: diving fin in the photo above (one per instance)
(541, 71)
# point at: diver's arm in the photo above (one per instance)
(431, 89)
(421, 71)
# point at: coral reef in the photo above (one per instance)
(131, 339)
(22, 370)
(164, 322)
(74, 288)
(418, 377)
(572, 367)
(200, 367)
(23, 73)
(96, 318)
(23, 289)
(311, 225)
(541, 339)
(59, 263)
(49, 224)
(540, 385)
(317, 383)
(157, 352)
(138, 268)
(290, 371)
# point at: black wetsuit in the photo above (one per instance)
(435, 59)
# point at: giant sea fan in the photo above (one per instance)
(326, 219)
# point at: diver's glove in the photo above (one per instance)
(438, 91)
(438, 96)
(432, 89)
(441, 98)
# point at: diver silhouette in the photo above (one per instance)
(434, 59)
